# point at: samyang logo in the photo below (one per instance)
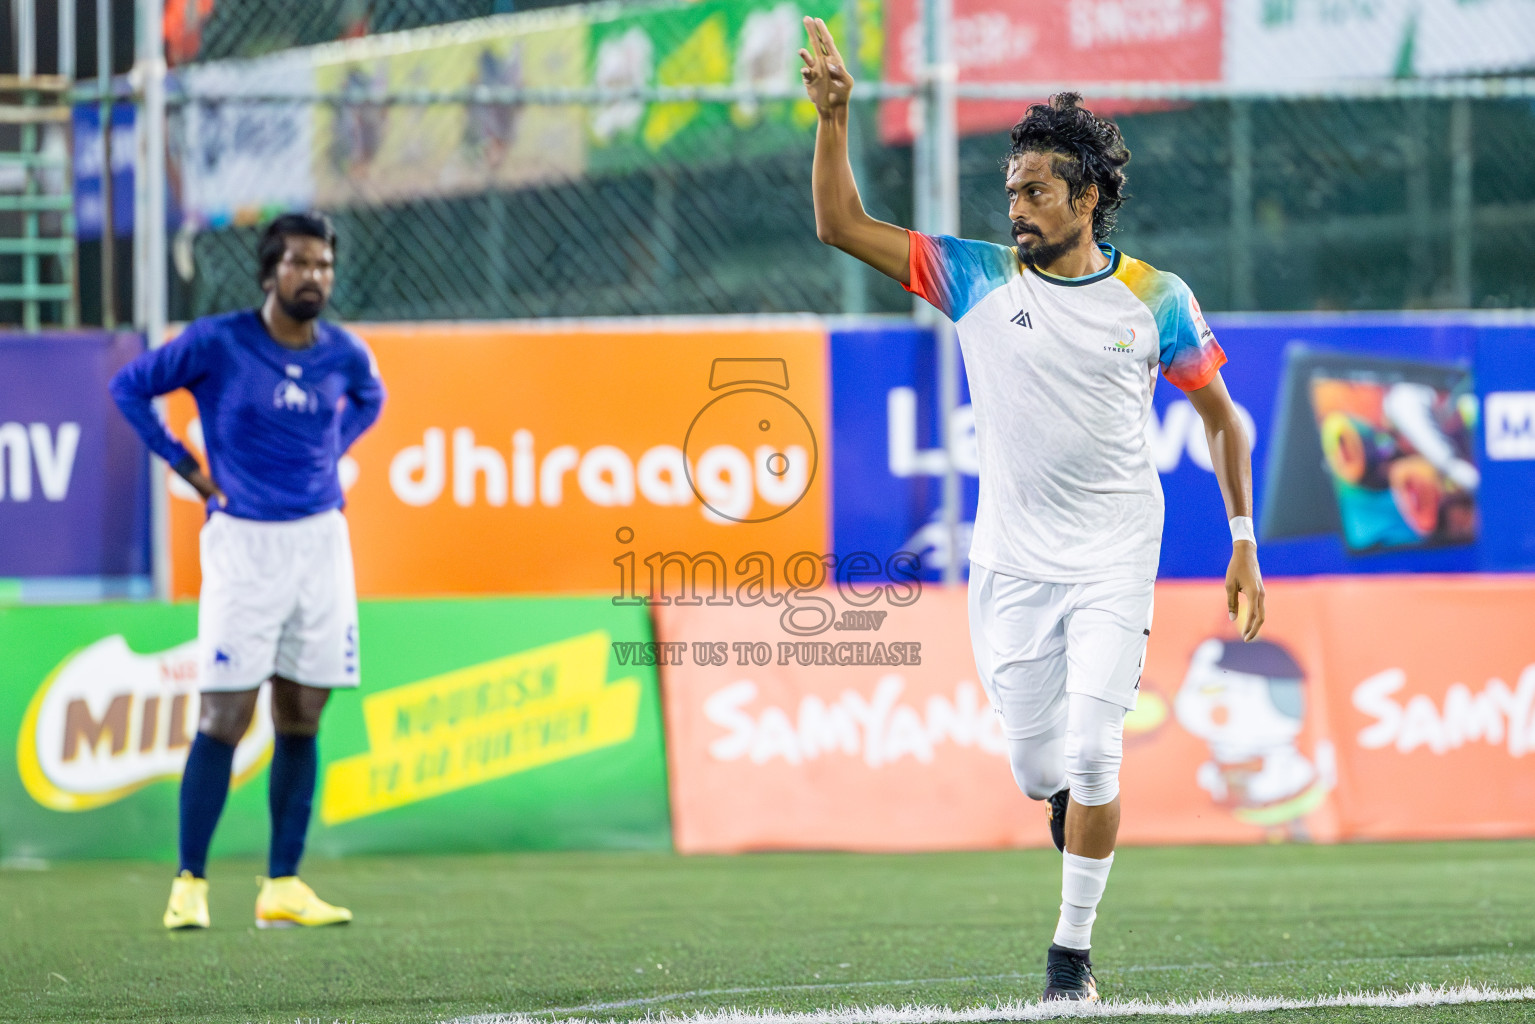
(108, 722)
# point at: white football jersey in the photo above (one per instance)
(1061, 372)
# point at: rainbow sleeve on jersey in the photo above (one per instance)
(1190, 355)
(954, 273)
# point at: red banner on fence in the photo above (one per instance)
(1052, 41)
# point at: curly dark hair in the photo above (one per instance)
(1086, 150)
(274, 240)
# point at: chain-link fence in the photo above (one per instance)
(207, 31)
(653, 158)
(1259, 204)
(726, 236)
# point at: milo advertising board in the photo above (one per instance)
(480, 724)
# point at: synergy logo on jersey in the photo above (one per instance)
(108, 722)
(1123, 338)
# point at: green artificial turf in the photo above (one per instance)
(442, 937)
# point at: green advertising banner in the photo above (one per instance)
(480, 725)
(713, 42)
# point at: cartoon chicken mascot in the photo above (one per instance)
(1247, 702)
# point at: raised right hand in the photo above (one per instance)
(827, 81)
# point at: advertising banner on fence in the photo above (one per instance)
(1366, 437)
(748, 43)
(479, 725)
(90, 208)
(74, 496)
(1271, 45)
(1052, 41)
(244, 161)
(375, 153)
(565, 457)
(1356, 715)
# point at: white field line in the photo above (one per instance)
(673, 997)
(1421, 995)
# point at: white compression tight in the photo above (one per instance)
(1084, 751)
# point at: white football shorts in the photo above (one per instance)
(1036, 642)
(277, 598)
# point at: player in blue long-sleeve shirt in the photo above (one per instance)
(282, 395)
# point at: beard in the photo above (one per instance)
(304, 306)
(1041, 254)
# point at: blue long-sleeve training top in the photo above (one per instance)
(275, 421)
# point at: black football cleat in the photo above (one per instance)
(1058, 818)
(1069, 975)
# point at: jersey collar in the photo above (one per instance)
(1077, 282)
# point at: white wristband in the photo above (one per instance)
(1242, 529)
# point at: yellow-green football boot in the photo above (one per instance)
(188, 907)
(289, 903)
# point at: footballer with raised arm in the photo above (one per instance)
(282, 395)
(1062, 336)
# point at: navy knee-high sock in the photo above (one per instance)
(294, 760)
(204, 786)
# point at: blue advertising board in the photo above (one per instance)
(1505, 383)
(1364, 426)
(74, 483)
(88, 194)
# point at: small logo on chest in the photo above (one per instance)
(292, 396)
(1022, 319)
(1123, 339)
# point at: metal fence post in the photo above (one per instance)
(941, 128)
(69, 267)
(25, 13)
(855, 281)
(1461, 211)
(1420, 213)
(104, 118)
(1241, 243)
(150, 242)
(663, 228)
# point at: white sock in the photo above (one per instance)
(1082, 883)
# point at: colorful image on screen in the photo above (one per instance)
(1400, 457)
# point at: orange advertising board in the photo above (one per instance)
(551, 457)
(861, 757)
(1321, 731)
(1431, 682)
